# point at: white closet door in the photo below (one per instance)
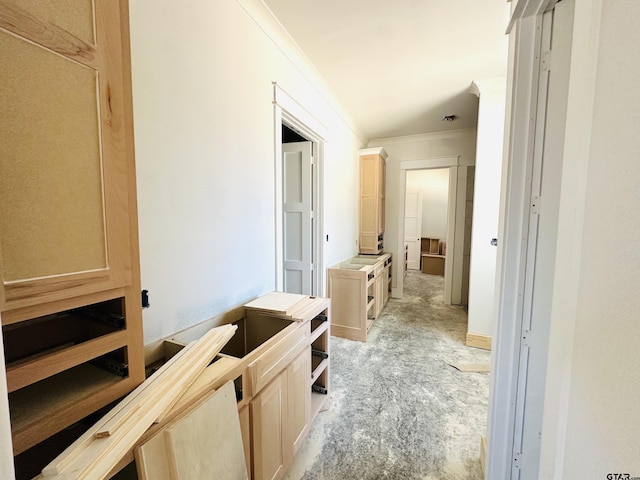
(296, 212)
(413, 227)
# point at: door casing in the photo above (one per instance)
(290, 112)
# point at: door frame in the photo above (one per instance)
(453, 164)
(291, 113)
(521, 142)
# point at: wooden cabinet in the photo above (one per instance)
(359, 290)
(70, 294)
(372, 200)
(280, 414)
(287, 384)
(432, 256)
(268, 414)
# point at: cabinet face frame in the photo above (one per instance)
(107, 58)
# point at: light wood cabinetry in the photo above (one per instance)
(372, 200)
(284, 381)
(359, 289)
(432, 256)
(70, 293)
(280, 419)
(275, 409)
(268, 413)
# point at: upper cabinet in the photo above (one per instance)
(70, 294)
(372, 198)
(65, 151)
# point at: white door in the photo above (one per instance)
(297, 217)
(413, 227)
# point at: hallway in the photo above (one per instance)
(398, 409)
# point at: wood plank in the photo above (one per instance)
(277, 302)
(99, 457)
(66, 457)
(471, 367)
(206, 442)
(151, 459)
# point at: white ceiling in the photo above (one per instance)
(398, 66)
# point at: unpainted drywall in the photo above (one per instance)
(204, 135)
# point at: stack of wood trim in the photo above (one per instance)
(95, 453)
(285, 305)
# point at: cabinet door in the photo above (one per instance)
(299, 398)
(65, 150)
(379, 293)
(268, 410)
(245, 429)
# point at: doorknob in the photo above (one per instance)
(494, 242)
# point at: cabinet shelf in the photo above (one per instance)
(318, 366)
(46, 407)
(317, 329)
(45, 346)
(318, 399)
(24, 373)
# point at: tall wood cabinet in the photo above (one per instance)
(70, 294)
(372, 198)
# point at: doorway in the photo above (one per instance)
(298, 223)
(298, 164)
(426, 219)
(455, 223)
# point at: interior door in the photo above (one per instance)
(413, 227)
(297, 217)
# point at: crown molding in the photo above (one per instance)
(423, 137)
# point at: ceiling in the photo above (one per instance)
(399, 66)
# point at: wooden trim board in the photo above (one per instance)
(478, 341)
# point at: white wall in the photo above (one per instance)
(204, 133)
(434, 185)
(6, 455)
(452, 143)
(486, 205)
(592, 413)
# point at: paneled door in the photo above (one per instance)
(297, 217)
(413, 227)
(64, 224)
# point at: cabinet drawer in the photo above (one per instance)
(267, 366)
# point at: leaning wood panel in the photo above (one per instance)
(97, 458)
(207, 442)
